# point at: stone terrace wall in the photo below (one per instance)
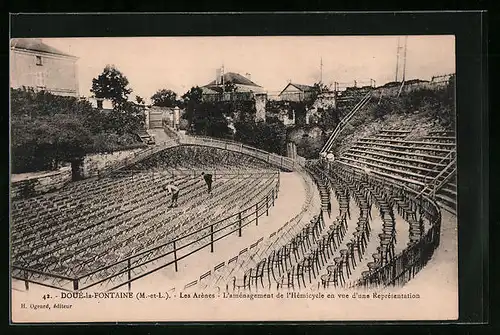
(92, 164)
(28, 185)
(32, 184)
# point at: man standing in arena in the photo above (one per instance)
(174, 191)
(208, 181)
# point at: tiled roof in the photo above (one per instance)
(235, 78)
(304, 88)
(35, 44)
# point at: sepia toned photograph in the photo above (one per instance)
(233, 178)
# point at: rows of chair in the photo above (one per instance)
(386, 198)
(303, 253)
(200, 158)
(352, 251)
(187, 225)
(98, 222)
(126, 231)
(224, 275)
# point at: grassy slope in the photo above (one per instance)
(391, 112)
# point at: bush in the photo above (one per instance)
(49, 130)
(270, 137)
(45, 143)
(27, 102)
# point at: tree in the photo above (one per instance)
(270, 137)
(164, 98)
(139, 100)
(209, 120)
(190, 100)
(193, 96)
(111, 84)
(27, 102)
(45, 143)
(127, 117)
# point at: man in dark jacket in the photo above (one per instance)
(208, 181)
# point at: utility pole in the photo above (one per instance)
(222, 77)
(401, 53)
(397, 59)
(321, 70)
(404, 58)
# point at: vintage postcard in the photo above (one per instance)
(264, 178)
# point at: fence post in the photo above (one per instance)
(257, 214)
(239, 224)
(175, 256)
(26, 282)
(273, 196)
(278, 185)
(212, 238)
(75, 285)
(267, 205)
(129, 275)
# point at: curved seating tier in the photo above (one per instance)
(346, 252)
(236, 270)
(95, 223)
(390, 265)
(415, 162)
(195, 157)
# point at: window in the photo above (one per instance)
(39, 60)
(40, 80)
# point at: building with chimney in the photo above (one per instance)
(232, 86)
(37, 65)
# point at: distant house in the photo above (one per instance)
(39, 66)
(241, 83)
(155, 116)
(232, 86)
(296, 92)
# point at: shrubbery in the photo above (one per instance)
(268, 136)
(49, 130)
(432, 107)
(216, 119)
(438, 104)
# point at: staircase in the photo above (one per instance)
(443, 187)
(345, 121)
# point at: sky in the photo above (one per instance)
(178, 63)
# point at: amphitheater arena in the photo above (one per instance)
(266, 226)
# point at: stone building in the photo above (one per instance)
(37, 65)
(241, 88)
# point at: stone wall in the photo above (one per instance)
(260, 106)
(325, 103)
(92, 164)
(407, 88)
(308, 139)
(31, 184)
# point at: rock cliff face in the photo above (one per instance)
(309, 140)
(324, 102)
